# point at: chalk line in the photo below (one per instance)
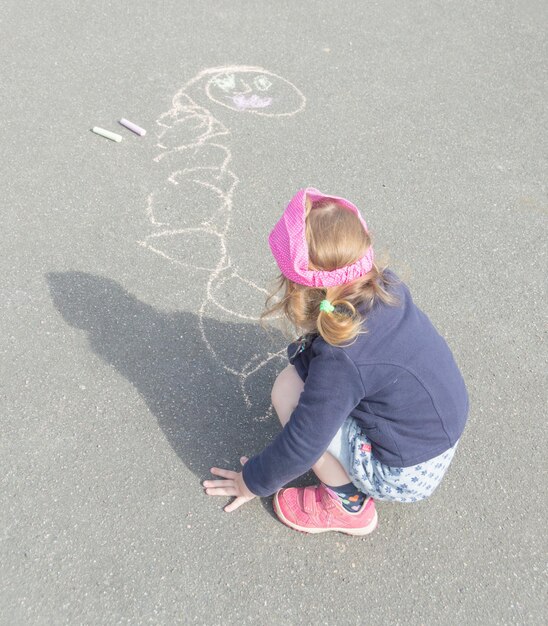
(248, 89)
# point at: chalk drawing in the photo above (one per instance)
(194, 204)
(530, 204)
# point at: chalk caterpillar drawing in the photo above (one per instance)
(195, 202)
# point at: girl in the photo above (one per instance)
(372, 399)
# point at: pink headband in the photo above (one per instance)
(288, 244)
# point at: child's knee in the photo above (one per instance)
(278, 395)
(285, 392)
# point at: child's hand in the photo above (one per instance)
(232, 485)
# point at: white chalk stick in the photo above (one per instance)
(136, 129)
(106, 133)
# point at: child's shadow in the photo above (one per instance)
(197, 402)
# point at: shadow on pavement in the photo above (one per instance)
(197, 402)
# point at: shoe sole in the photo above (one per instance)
(356, 532)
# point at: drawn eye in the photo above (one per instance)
(262, 83)
(226, 82)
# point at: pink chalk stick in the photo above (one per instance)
(133, 127)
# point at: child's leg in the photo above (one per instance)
(285, 396)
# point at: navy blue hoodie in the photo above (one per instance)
(399, 380)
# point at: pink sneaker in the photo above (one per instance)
(315, 510)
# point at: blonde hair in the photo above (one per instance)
(335, 238)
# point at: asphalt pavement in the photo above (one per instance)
(133, 274)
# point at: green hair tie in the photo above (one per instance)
(326, 306)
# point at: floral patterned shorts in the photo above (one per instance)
(382, 482)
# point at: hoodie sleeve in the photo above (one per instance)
(300, 352)
(333, 388)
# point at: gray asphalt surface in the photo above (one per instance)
(123, 381)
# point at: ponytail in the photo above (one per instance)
(338, 321)
(341, 323)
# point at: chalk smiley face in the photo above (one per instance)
(254, 91)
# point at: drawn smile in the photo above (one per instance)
(241, 101)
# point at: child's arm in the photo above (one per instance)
(332, 390)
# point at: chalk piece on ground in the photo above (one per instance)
(133, 127)
(106, 133)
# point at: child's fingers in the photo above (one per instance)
(218, 483)
(236, 504)
(222, 472)
(244, 460)
(222, 491)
